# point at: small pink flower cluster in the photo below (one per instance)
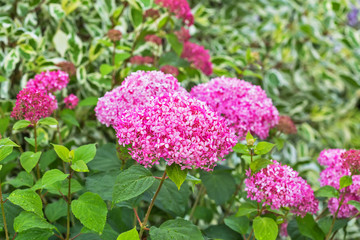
(154, 39)
(351, 160)
(280, 186)
(178, 128)
(286, 125)
(49, 81)
(71, 101)
(135, 90)
(33, 104)
(183, 34)
(245, 106)
(140, 60)
(198, 56)
(180, 8)
(170, 70)
(337, 168)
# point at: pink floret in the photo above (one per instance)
(180, 8)
(71, 101)
(49, 81)
(198, 56)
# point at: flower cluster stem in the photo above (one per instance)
(334, 218)
(68, 205)
(3, 213)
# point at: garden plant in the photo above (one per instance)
(179, 119)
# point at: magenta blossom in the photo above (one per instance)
(33, 104)
(140, 60)
(49, 81)
(134, 91)
(71, 101)
(245, 106)
(178, 128)
(180, 8)
(170, 70)
(351, 160)
(280, 186)
(154, 39)
(198, 56)
(183, 35)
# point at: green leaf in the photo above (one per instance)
(102, 183)
(129, 235)
(355, 204)
(246, 208)
(48, 121)
(176, 175)
(91, 210)
(345, 181)
(250, 140)
(79, 166)
(241, 148)
(35, 234)
(89, 101)
(131, 183)
(52, 176)
(178, 229)
(22, 179)
(4, 123)
(327, 191)
(28, 200)
(56, 210)
(265, 228)
(309, 228)
(85, 153)
(62, 152)
(6, 142)
(175, 44)
(120, 57)
(105, 159)
(192, 179)
(21, 124)
(238, 224)
(6, 148)
(136, 17)
(259, 164)
(68, 116)
(28, 220)
(263, 148)
(105, 69)
(60, 42)
(29, 160)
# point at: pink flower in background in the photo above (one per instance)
(286, 125)
(183, 34)
(170, 70)
(245, 106)
(331, 157)
(176, 127)
(280, 186)
(49, 81)
(71, 101)
(135, 90)
(33, 104)
(180, 8)
(140, 60)
(154, 39)
(198, 56)
(151, 13)
(351, 160)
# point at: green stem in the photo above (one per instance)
(69, 205)
(3, 213)
(201, 190)
(334, 218)
(36, 146)
(143, 225)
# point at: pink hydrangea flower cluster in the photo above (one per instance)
(134, 91)
(245, 106)
(178, 128)
(49, 81)
(183, 34)
(140, 60)
(33, 104)
(198, 56)
(337, 168)
(180, 8)
(154, 39)
(280, 186)
(71, 101)
(170, 70)
(351, 160)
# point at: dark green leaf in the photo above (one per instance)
(176, 45)
(178, 229)
(309, 228)
(56, 210)
(238, 224)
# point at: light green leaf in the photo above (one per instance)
(52, 176)
(175, 44)
(178, 229)
(250, 140)
(21, 124)
(265, 228)
(263, 148)
(89, 101)
(241, 148)
(259, 164)
(79, 166)
(28, 160)
(48, 121)
(120, 57)
(105, 69)
(192, 179)
(129, 235)
(6, 148)
(91, 210)
(345, 181)
(246, 208)
(176, 175)
(85, 153)
(28, 220)
(22, 179)
(327, 191)
(35, 234)
(60, 42)
(136, 17)
(131, 183)
(28, 200)
(62, 152)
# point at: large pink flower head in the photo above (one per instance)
(180, 8)
(71, 101)
(178, 128)
(331, 157)
(280, 186)
(346, 210)
(198, 56)
(245, 106)
(134, 91)
(49, 81)
(33, 104)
